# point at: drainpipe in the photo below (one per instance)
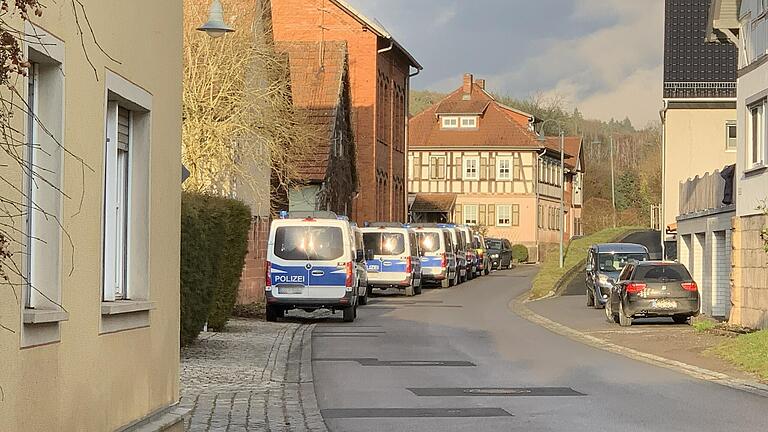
(407, 146)
(538, 222)
(662, 212)
(391, 45)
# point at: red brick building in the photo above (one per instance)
(379, 79)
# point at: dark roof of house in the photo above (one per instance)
(572, 147)
(690, 61)
(497, 126)
(433, 203)
(316, 88)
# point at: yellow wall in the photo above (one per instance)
(88, 381)
(695, 145)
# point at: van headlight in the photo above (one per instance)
(494, 256)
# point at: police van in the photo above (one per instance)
(438, 261)
(311, 264)
(394, 258)
(460, 250)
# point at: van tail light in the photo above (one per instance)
(268, 276)
(444, 261)
(350, 279)
(690, 286)
(408, 265)
(635, 287)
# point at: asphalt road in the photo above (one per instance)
(436, 362)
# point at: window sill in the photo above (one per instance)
(44, 316)
(756, 169)
(126, 306)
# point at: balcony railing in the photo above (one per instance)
(705, 194)
(699, 89)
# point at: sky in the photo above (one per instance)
(602, 56)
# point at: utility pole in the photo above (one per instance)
(613, 186)
(562, 193)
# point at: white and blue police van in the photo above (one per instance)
(438, 261)
(311, 264)
(394, 258)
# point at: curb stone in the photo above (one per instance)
(519, 307)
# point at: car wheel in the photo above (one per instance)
(445, 283)
(349, 314)
(410, 291)
(273, 313)
(363, 300)
(590, 298)
(624, 320)
(681, 319)
(510, 265)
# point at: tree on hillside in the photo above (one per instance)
(239, 120)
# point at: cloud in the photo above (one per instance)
(446, 15)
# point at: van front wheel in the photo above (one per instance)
(273, 313)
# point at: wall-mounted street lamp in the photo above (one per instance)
(216, 27)
(543, 138)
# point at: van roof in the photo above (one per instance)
(619, 247)
(310, 221)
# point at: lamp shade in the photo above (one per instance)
(216, 27)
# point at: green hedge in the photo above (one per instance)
(214, 241)
(520, 253)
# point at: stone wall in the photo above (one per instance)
(252, 281)
(749, 273)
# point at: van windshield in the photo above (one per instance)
(430, 241)
(493, 244)
(309, 243)
(384, 243)
(614, 262)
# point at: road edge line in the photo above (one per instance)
(519, 307)
(307, 383)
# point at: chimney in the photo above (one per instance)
(468, 79)
(481, 83)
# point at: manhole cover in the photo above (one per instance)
(412, 412)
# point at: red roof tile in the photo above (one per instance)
(317, 77)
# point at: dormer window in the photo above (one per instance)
(463, 122)
(450, 122)
(469, 122)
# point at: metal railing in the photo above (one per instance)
(695, 89)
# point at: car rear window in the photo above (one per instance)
(429, 241)
(315, 243)
(384, 243)
(666, 272)
(493, 244)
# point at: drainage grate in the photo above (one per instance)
(350, 335)
(412, 412)
(400, 363)
(513, 391)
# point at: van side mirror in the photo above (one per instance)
(359, 256)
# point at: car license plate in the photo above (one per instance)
(664, 304)
(373, 268)
(290, 289)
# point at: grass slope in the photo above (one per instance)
(551, 272)
(749, 352)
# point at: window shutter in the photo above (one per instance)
(459, 169)
(481, 214)
(417, 166)
(483, 169)
(491, 215)
(492, 168)
(457, 214)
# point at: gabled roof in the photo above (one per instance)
(572, 151)
(434, 203)
(317, 90)
(499, 126)
(376, 27)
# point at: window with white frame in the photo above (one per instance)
(450, 122)
(469, 122)
(471, 168)
(756, 144)
(126, 197)
(43, 157)
(504, 168)
(437, 167)
(470, 214)
(730, 136)
(503, 215)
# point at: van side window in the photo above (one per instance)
(414, 244)
(448, 243)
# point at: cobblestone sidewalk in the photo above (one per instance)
(257, 376)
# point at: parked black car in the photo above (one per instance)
(500, 252)
(653, 289)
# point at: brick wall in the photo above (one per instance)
(749, 273)
(380, 168)
(252, 280)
